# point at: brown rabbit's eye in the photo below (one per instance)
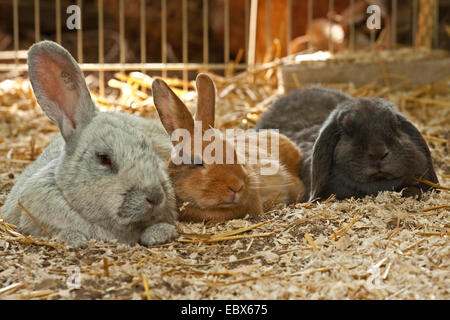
(105, 160)
(197, 162)
(196, 166)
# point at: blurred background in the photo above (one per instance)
(214, 31)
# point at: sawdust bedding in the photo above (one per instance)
(383, 247)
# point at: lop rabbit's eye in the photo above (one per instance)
(105, 160)
(349, 127)
(394, 125)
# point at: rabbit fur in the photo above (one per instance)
(352, 147)
(219, 190)
(102, 176)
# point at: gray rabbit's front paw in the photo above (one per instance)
(158, 233)
(73, 238)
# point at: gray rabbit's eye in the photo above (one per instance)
(105, 160)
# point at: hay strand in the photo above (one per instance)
(11, 287)
(225, 236)
(434, 185)
(221, 239)
(311, 241)
(146, 288)
(345, 228)
(34, 219)
(427, 210)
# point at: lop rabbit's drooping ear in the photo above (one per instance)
(322, 159)
(409, 129)
(59, 86)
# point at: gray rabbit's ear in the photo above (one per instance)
(408, 128)
(322, 158)
(171, 110)
(59, 86)
(206, 104)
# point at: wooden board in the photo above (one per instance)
(419, 72)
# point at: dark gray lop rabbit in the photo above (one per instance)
(101, 177)
(351, 147)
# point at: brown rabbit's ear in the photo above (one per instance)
(206, 92)
(171, 110)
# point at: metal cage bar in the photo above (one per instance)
(330, 21)
(16, 30)
(184, 10)
(58, 20)
(80, 34)
(436, 26)
(415, 9)
(247, 26)
(394, 24)
(205, 34)
(137, 66)
(352, 26)
(37, 21)
(289, 27)
(122, 33)
(143, 32)
(268, 24)
(226, 32)
(101, 49)
(309, 23)
(164, 37)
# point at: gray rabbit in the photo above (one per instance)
(351, 147)
(101, 177)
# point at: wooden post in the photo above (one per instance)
(252, 33)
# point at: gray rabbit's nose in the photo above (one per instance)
(155, 196)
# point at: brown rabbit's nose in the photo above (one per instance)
(235, 190)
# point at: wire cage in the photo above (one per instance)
(161, 36)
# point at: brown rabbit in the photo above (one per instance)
(220, 190)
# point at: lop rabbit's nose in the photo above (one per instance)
(155, 196)
(378, 153)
